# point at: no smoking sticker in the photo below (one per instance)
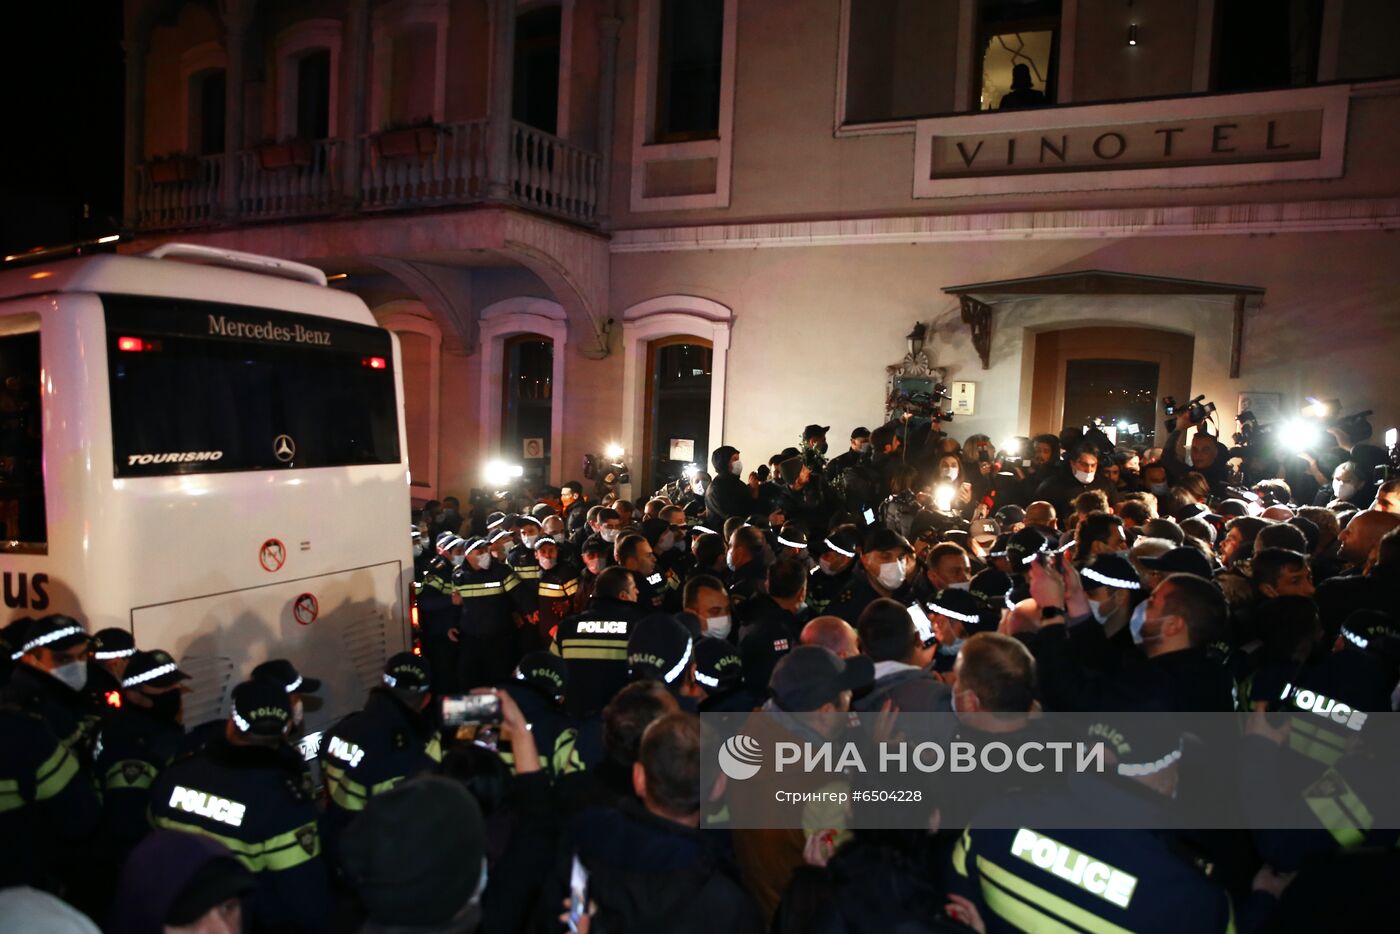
(272, 555)
(306, 609)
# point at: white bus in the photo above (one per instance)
(206, 448)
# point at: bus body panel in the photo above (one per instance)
(208, 566)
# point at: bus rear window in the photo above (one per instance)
(23, 523)
(199, 387)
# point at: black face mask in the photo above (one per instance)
(167, 706)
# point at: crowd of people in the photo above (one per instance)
(1058, 573)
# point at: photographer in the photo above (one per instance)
(1207, 457)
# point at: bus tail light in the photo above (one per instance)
(375, 363)
(131, 344)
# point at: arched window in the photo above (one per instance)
(535, 96)
(527, 403)
(522, 340)
(410, 63)
(204, 97)
(676, 348)
(308, 79)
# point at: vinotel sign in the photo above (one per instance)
(1233, 139)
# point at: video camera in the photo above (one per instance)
(1197, 410)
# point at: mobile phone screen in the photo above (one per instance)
(470, 708)
(578, 893)
(869, 515)
(923, 624)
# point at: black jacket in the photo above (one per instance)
(594, 648)
(727, 494)
(649, 874)
(1061, 489)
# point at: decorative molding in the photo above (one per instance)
(978, 317)
(443, 292)
(1377, 214)
(413, 317)
(388, 21)
(505, 319)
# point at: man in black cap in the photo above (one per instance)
(109, 652)
(138, 740)
(416, 857)
(283, 673)
(886, 561)
(393, 737)
(720, 676)
(558, 587)
(859, 453)
(250, 790)
(539, 687)
(955, 615)
(835, 565)
(594, 644)
(661, 649)
(50, 678)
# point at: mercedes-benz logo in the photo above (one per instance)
(284, 448)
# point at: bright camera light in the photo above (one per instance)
(1123, 425)
(1390, 438)
(943, 495)
(1316, 408)
(689, 471)
(1299, 435)
(613, 452)
(498, 474)
(1011, 445)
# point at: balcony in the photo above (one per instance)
(432, 166)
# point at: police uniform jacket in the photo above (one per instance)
(131, 750)
(859, 593)
(489, 598)
(556, 736)
(746, 583)
(436, 613)
(594, 647)
(558, 595)
(371, 751)
(823, 588)
(523, 562)
(48, 804)
(261, 804)
(68, 713)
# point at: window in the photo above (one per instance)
(1115, 391)
(1017, 51)
(898, 58)
(200, 387)
(209, 99)
(23, 521)
(689, 54)
(535, 98)
(527, 403)
(678, 400)
(1267, 44)
(314, 95)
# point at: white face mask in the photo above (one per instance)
(666, 542)
(547, 564)
(961, 585)
(1100, 614)
(1137, 621)
(949, 473)
(1084, 476)
(717, 626)
(417, 550)
(298, 712)
(827, 569)
(891, 575)
(729, 559)
(482, 562)
(594, 564)
(1343, 490)
(528, 540)
(73, 674)
(458, 560)
(737, 468)
(1160, 489)
(609, 535)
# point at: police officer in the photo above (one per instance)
(558, 588)
(719, 674)
(595, 555)
(250, 790)
(539, 687)
(594, 644)
(393, 738)
(438, 613)
(284, 674)
(138, 740)
(49, 682)
(111, 649)
(831, 575)
(490, 597)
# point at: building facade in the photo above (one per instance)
(669, 223)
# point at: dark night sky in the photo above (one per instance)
(61, 103)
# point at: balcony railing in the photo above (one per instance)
(179, 192)
(421, 167)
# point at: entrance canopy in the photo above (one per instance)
(978, 299)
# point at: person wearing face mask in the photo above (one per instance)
(1112, 588)
(747, 559)
(836, 561)
(422, 554)
(595, 556)
(437, 613)
(110, 652)
(138, 740)
(49, 682)
(706, 597)
(858, 453)
(491, 599)
(282, 672)
(1348, 486)
(886, 561)
(557, 591)
(946, 566)
(1078, 476)
(1173, 669)
(955, 615)
(728, 494)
